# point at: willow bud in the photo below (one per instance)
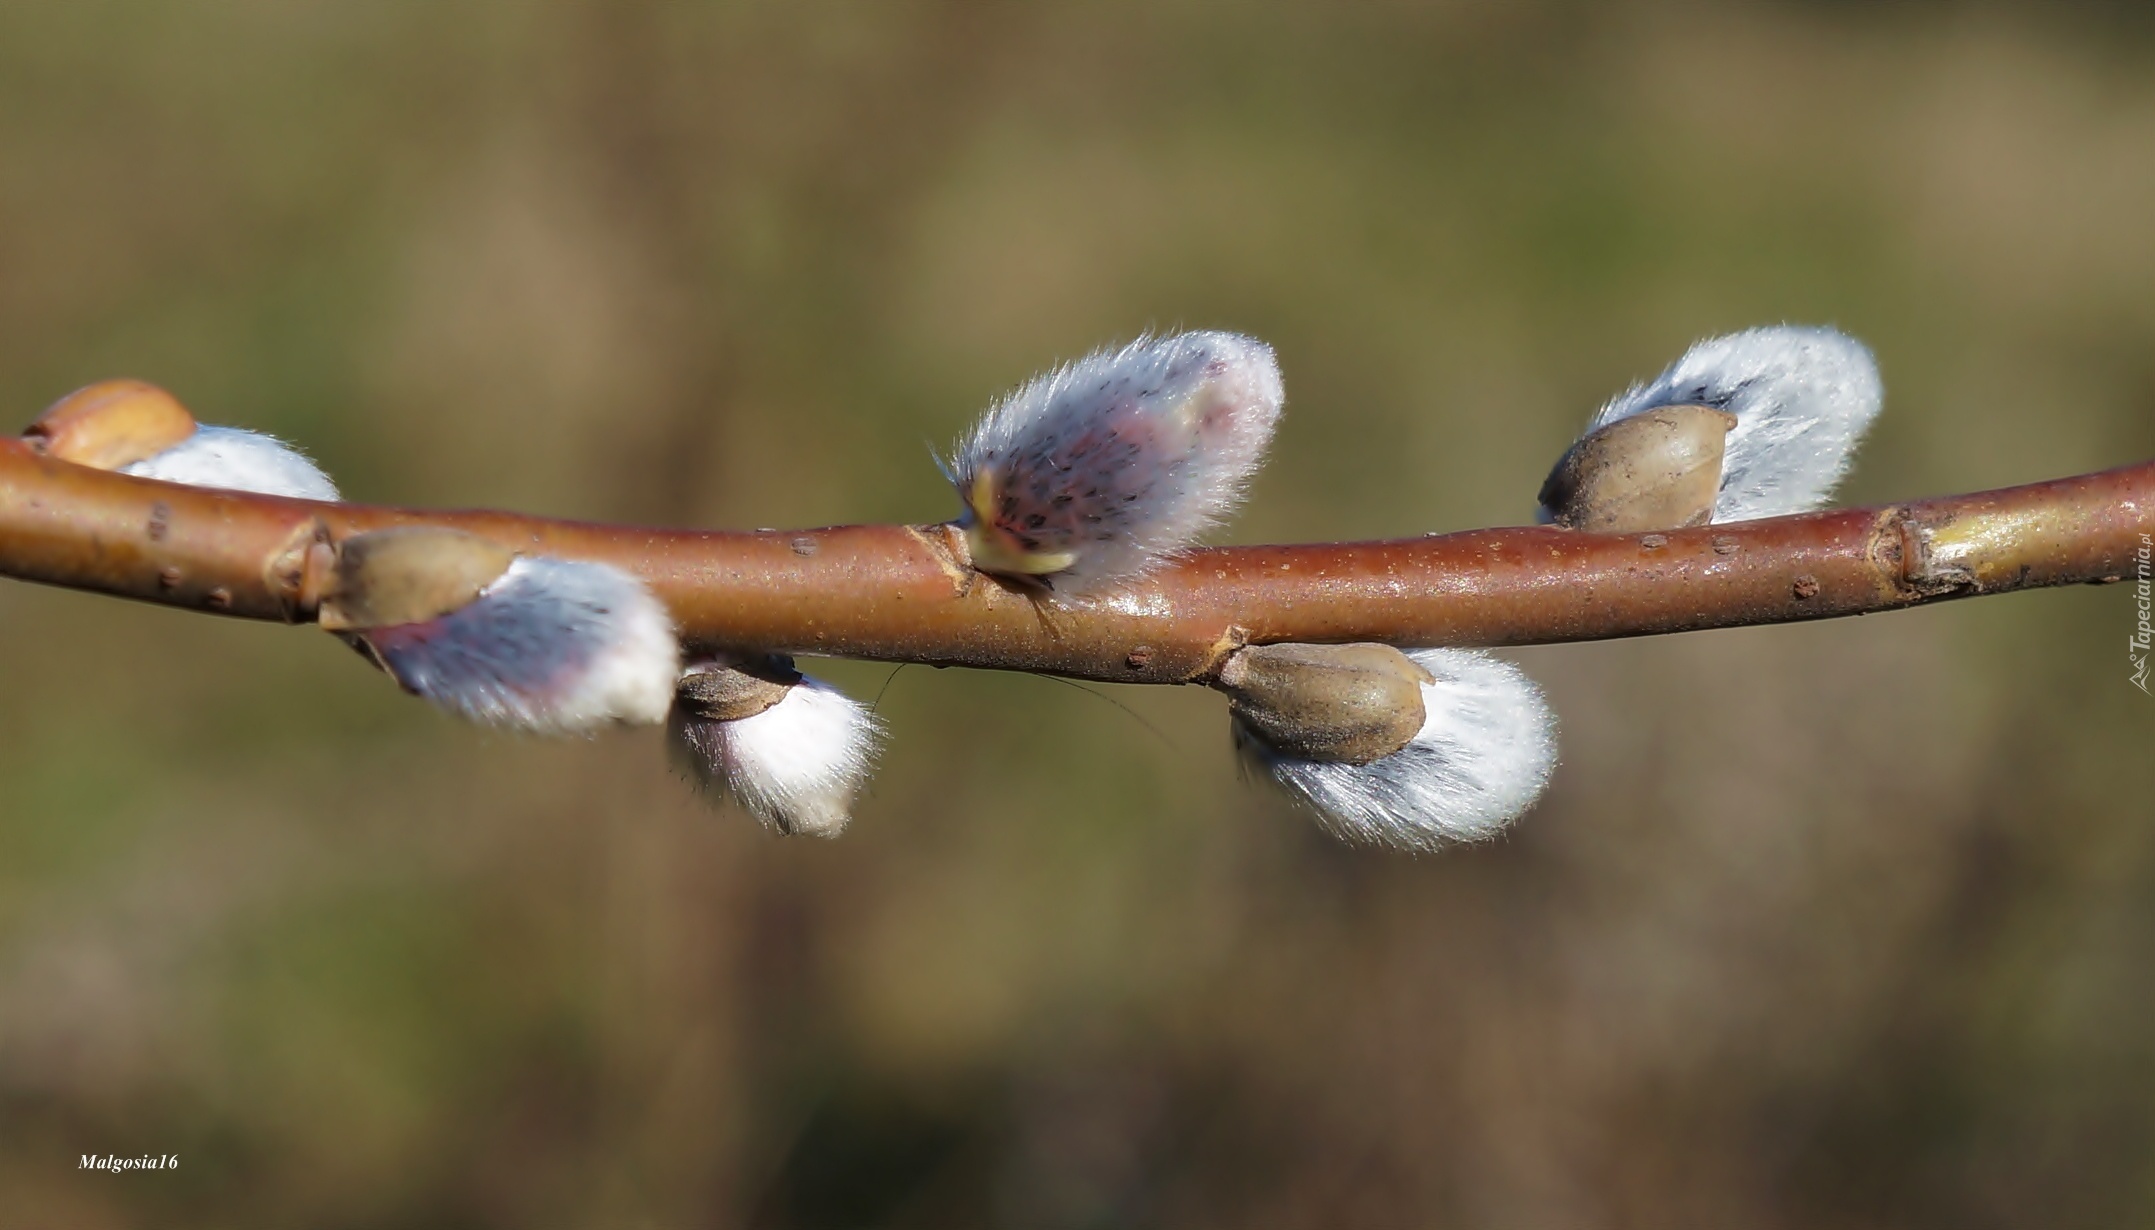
(1659, 469)
(1480, 756)
(1096, 472)
(720, 693)
(1802, 397)
(1345, 704)
(534, 642)
(408, 575)
(139, 429)
(230, 459)
(111, 424)
(791, 750)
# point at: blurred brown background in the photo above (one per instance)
(1843, 925)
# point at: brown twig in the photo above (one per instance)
(905, 593)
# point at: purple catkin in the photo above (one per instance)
(1097, 471)
(554, 646)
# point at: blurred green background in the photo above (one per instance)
(1846, 925)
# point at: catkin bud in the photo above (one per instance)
(140, 430)
(534, 642)
(1802, 397)
(791, 750)
(1093, 473)
(230, 459)
(1482, 753)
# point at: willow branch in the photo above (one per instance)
(906, 593)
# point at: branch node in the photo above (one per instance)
(299, 573)
(945, 544)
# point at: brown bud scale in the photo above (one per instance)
(111, 424)
(1347, 704)
(408, 575)
(1656, 470)
(726, 693)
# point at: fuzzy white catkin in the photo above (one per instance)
(1116, 461)
(796, 766)
(1482, 757)
(553, 646)
(234, 460)
(1802, 397)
